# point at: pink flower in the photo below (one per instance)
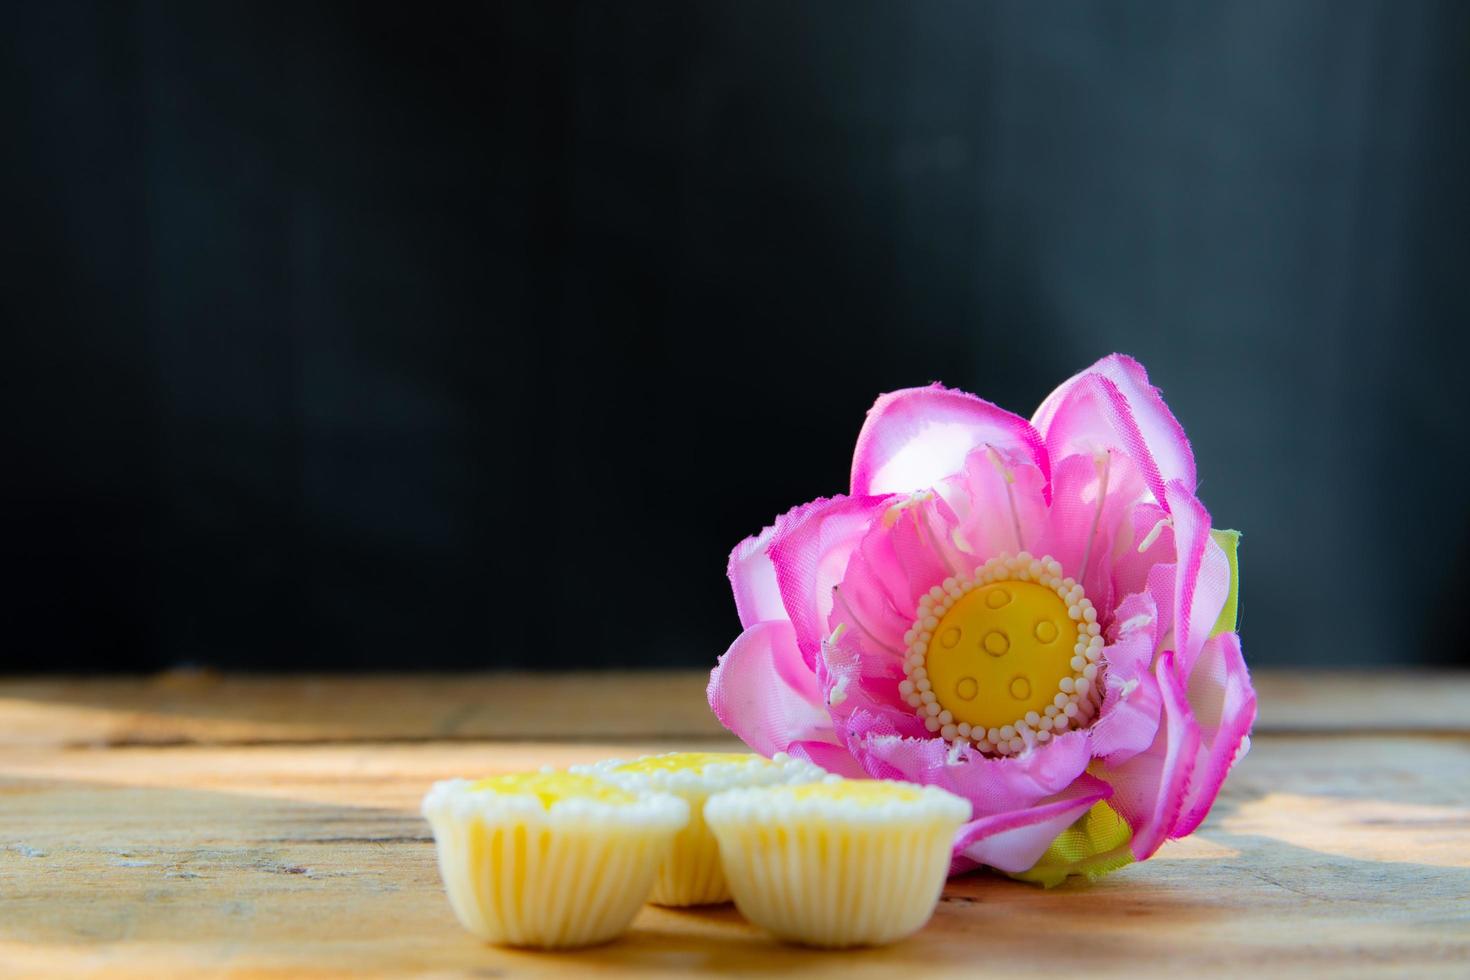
(934, 625)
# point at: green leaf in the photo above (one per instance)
(1093, 846)
(1229, 541)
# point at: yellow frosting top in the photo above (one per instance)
(863, 792)
(553, 787)
(688, 762)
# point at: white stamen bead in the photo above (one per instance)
(1090, 672)
(905, 688)
(948, 731)
(1033, 719)
(923, 685)
(932, 724)
(945, 718)
(964, 729)
(1017, 744)
(1007, 732)
(1070, 710)
(984, 745)
(1066, 684)
(932, 710)
(1082, 684)
(1079, 663)
(1060, 700)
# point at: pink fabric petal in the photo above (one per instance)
(874, 600)
(763, 692)
(916, 437)
(1092, 499)
(810, 556)
(1129, 718)
(753, 575)
(1015, 841)
(1162, 580)
(1224, 706)
(1130, 565)
(1149, 789)
(1202, 577)
(904, 555)
(833, 758)
(860, 684)
(992, 785)
(999, 501)
(1112, 405)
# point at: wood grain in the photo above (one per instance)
(1336, 854)
(207, 708)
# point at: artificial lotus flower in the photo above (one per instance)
(1034, 615)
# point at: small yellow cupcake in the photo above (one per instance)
(692, 875)
(837, 863)
(549, 859)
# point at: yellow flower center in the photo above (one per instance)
(1004, 658)
(999, 652)
(552, 787)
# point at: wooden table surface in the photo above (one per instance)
(229, 826)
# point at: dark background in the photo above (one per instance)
(465, 337)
